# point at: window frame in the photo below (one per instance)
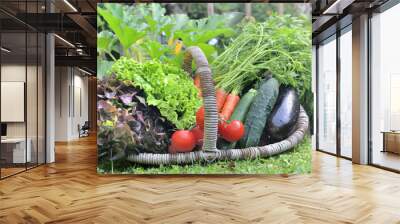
(339, 32)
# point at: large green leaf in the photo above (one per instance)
(105, 41)
(100, 22)
(154, 49)
(127, 35)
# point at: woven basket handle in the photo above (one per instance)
(208, 92)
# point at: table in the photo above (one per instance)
(391, 141)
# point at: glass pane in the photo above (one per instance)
(32, 96)
(385, 114)
(346, 94)
(327, 97)
(22, 88)
(13, 86)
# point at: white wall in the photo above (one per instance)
(62, 81)
(71, 102)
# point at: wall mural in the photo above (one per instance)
(204, 88)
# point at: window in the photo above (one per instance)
(22, 76)
(346, 93)
(327, 96)
(385, 89)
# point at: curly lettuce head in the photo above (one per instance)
(167, 87)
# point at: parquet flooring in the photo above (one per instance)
(70, 191)
(11, 170)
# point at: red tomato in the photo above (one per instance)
(221, 127)
(182, 141)
(198, 134)
(233, 131)
(200, 117)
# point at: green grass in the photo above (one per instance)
(295, 161)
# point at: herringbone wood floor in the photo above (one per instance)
(70, 191)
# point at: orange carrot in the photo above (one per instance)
(221, 97)
(197, 83)
(231, 101)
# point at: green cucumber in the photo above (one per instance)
(259, 112)
(243, 106)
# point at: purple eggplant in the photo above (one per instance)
(284, 115)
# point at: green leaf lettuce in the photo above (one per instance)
(167, 87)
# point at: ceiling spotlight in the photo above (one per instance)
(65, 41)
(5, 50)
(70, 5)
(80, 51)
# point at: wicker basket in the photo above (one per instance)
(209, 152)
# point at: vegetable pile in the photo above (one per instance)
(167, 87)
(149, 104)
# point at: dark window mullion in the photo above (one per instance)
(338, 98)
(317, 96)
(37, 90)
(26, 87)
(369, 81)
(45, 87)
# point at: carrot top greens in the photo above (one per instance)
(280, 46)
